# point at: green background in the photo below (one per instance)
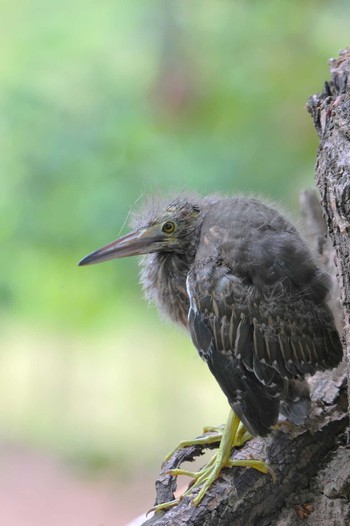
(101, 104)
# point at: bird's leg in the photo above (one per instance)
(234, 435)
(242, 435)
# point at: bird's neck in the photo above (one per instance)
(163, 277)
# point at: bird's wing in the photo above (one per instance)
(263, 300)
(224, 341)
(288, 334)
(256, 331)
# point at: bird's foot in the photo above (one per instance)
(208, 474)
(202, 441)
(233, 435)
(242, 436)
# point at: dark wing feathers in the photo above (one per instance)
(243, 347)
(263, 340)
(258, 312)
(253, 356)
(256, 406)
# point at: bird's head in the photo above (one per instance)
(174, 228)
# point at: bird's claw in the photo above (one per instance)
(165, 505)
(259, 465)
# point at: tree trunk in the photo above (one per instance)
(330, 111)
(312, 463)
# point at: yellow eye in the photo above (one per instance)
(168, 227)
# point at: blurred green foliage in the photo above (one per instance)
(102, 102)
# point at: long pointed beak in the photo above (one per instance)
(132, 244)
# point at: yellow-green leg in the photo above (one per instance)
(204, 441)
(233, 435)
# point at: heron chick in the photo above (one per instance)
(238, 276)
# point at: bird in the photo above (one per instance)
(235, 273)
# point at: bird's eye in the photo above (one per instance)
(168, 227)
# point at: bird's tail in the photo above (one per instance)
(258, 405)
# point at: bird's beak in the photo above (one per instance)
(133, 244)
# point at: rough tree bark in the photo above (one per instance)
(312, 463)
(330, 111)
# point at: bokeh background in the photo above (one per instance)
(102, 103)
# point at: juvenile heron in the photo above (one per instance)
(237, 275)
